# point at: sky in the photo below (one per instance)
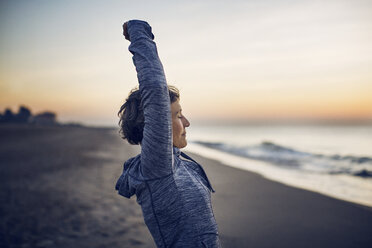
(232, 60)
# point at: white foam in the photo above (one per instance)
(344, 187)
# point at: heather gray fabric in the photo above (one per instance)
(174, 192)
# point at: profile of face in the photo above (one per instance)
(179, 124)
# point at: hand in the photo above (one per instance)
(125, 31)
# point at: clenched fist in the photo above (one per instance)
(125, 31)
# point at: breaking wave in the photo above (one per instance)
(292, 158)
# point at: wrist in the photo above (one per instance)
(139, 29)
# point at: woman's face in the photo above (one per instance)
(179, 124)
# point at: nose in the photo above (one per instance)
(186, 122)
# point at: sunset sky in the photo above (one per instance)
(232, 60)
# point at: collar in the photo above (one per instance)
(176, 151)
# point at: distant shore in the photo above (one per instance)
(58, 191)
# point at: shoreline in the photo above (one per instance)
(216, 161)
(341, 187)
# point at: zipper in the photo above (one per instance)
(201, 168)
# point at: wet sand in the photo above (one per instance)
(57, 190)
(252, 211)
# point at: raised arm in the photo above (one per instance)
(156, 145)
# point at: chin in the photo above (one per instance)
(182, 144)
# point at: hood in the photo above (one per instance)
(126, 184)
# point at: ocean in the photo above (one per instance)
(335, 160)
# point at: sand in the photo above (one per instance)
(252, 211)
(57, 190)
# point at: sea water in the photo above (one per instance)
(334, 160)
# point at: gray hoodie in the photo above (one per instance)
(172, 189)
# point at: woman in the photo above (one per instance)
(172, 189)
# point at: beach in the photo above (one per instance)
(57, 190)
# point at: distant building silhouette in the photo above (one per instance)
(46, 118)
(24, 116)
(8, 116)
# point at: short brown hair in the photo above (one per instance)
(131, 117)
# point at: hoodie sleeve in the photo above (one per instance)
(156, 145)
